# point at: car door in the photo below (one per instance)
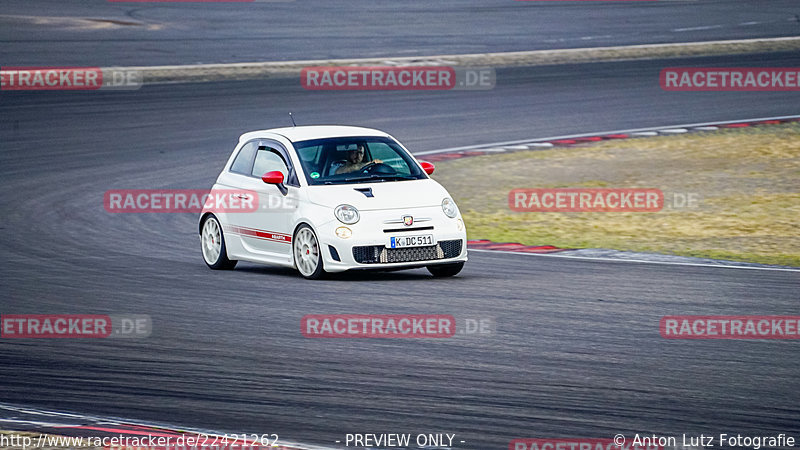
(267, 231)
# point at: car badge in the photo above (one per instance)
(408, 220)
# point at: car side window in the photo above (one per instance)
(244, 160)
(268, 160)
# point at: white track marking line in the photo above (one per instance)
(701, 28)
(667, 263)
(596, 133)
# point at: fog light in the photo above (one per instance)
(344, 232)
(460, 225)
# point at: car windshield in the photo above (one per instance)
(356, 160)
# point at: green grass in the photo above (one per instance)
(747, 181)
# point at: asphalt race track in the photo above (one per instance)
(99, 32)
(576, 350)
(526, 103)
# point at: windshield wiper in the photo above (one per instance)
(376, 177)
(401, 177)
(367, 178)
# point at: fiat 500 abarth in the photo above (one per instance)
(330, 199)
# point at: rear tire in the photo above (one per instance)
(445, 270)
(212, 243)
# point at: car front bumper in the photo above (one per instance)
(366, 247)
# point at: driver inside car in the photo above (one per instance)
(355, 160)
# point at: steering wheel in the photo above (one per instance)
(377, 167)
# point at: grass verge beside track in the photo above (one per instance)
(747, 182)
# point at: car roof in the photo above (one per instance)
(304, 133)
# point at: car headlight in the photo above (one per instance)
(346, 214)
(449, 207)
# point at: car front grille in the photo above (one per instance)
(378, 254)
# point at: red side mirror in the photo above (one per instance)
(274, 177)
(427, 167)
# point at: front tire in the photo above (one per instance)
(307, 254)
(445, 270)
(212, 242)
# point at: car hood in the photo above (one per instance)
(386, 195)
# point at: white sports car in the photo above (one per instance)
(329, 199)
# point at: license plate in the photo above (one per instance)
(417, 240)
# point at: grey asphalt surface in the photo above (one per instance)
(99, 32)
(577, 350)
(526, 103)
